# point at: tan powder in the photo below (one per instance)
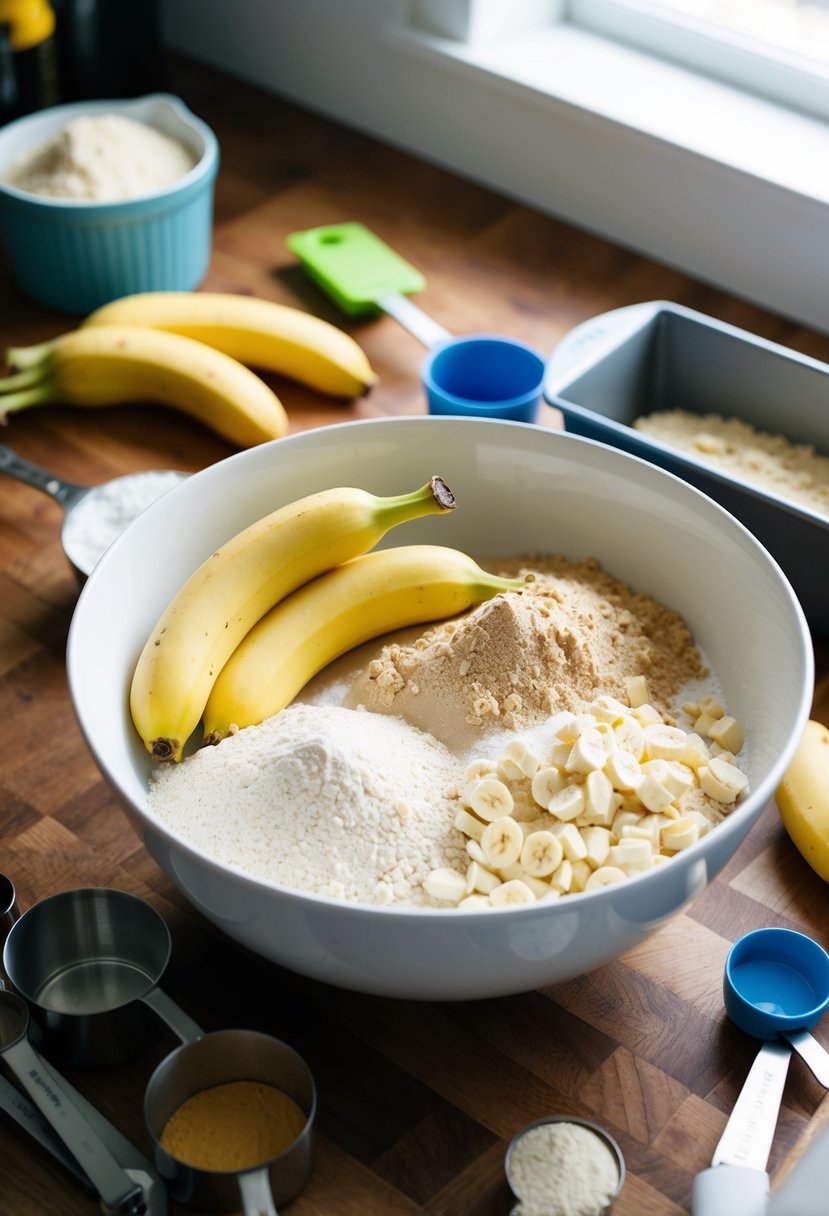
(235, 1126)
(573, 633)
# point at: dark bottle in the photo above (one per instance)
(109, 48)
(28, 57)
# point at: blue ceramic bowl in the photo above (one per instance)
(73, 255)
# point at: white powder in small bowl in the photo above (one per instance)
(105, 510)
(562, 1168)
(101, 158)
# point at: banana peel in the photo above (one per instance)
(803, 798)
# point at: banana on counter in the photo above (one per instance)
(190, 351)
(224, 598)
(259, 333)
(803, 798)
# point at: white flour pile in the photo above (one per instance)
(562, 1169)
(320, 798)
(102, 158)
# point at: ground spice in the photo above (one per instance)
(235, 1126)
(573, 633)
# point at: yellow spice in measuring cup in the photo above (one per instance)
(235, 1126)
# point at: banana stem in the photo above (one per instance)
(25, 379)
(494, 582)
(433, 498)
(24, 357)
(39, 395)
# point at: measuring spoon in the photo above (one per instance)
(776, 985)
(117, 1190)
(92, 515)
(88, 962)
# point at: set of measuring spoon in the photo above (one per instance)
(85, 966)
(775, 988)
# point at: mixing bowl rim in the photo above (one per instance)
(749, 809)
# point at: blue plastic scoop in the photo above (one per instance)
(776, 985)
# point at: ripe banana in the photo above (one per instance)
(259, 333)
(803, 798)
(360, 600)
(115, 365)
(225, 597)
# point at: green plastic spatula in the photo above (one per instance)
(362, 274)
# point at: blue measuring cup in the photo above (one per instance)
(484, 375)
(776, 985)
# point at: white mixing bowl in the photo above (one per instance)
(519, 488)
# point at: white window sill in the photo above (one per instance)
(566, 66)
(725, 187)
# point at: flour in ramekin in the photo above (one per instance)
(320, 798)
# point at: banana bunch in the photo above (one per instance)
(242, 580)
(351, 604)
(259, 333)
(190, 351)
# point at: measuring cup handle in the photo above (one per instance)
(33, 475)
(419, 324)
(255, 1189)
(730, 1188)
(179, 1022)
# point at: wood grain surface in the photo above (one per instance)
(417, 1101)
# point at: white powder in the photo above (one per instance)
(102, 158)
(562, 1169)
(105, 510)
(321, 798)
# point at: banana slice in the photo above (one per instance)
(480, 879)
(721, 780)
(489, 798)
(587, 753)
(445, 884)
(665, 742)
(605, 876)
(502, 842)
(541, 854)
(469, 825)
(520, 758)
(547, 782)
(568, 803)
(513, 892)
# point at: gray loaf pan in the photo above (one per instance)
(612, 369)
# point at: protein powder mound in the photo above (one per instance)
(102, 158)
(572, 634)
(322, 799)
(769, 461)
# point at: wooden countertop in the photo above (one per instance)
(417, 1101)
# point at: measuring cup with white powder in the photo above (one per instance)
(93, 515)
(563, 1166)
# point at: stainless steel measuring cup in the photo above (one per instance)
(118, 1191)
(217, 1058)
(75, 499)
(88, 963)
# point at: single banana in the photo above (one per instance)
(116, 365)
(225, 597)
(803, 798)
(360, 600)
(259, 333)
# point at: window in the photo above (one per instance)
(778, 49)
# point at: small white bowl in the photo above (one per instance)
(74, 255)
(519, 488)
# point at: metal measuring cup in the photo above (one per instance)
(88, 962)
(217, 1058)
(70, 496)
(118, 1191)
